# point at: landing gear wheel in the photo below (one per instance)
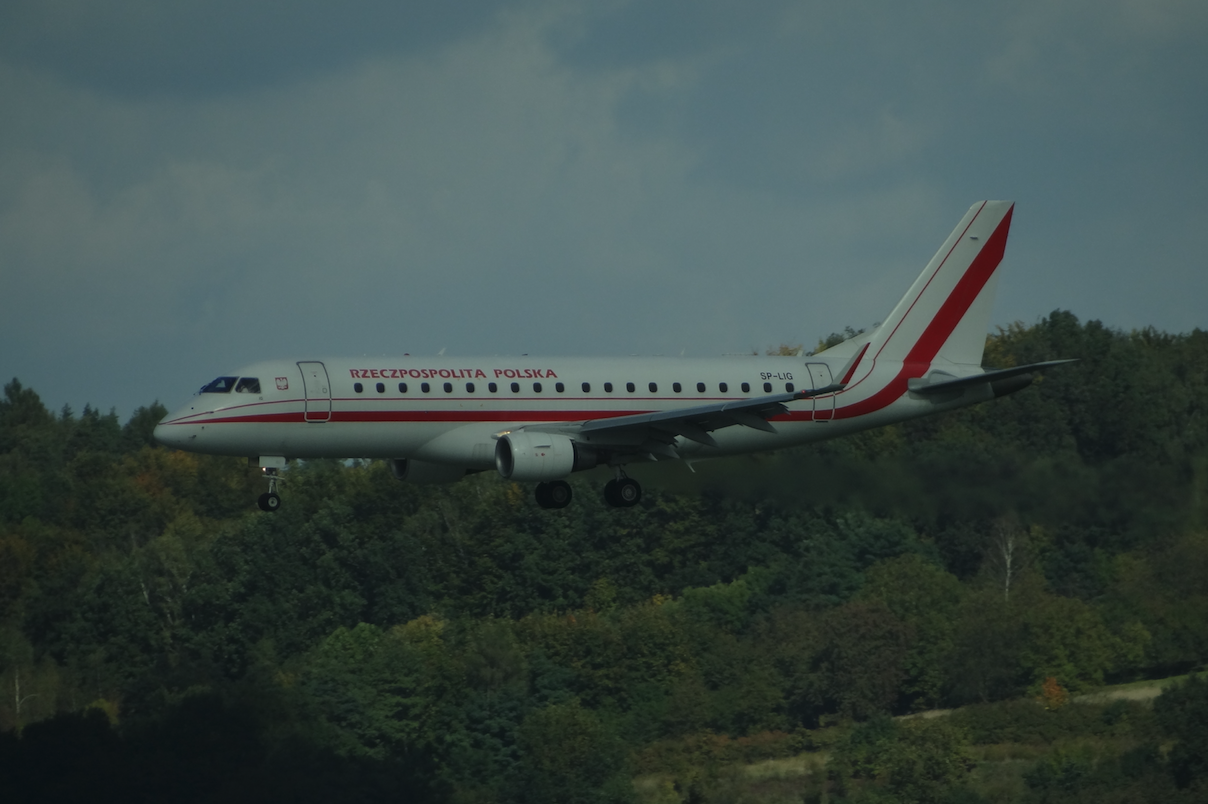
(269, 502)
(624, 492)
(555, 494)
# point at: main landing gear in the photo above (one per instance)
(270, 502)
(623, 492)
(554, 494)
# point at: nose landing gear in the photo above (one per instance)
(271, 501)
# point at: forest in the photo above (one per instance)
(161, 639)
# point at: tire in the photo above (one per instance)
(558, 494)
(269, 502)
(610, 494)
(623, 493)
(628, 492)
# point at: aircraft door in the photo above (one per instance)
(820, 377)
(318, 391)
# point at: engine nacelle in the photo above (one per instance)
(540, 456)
(410, 470)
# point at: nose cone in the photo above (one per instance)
(172, 432)
(162, 434)
(168, 435)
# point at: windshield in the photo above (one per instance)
(248, 385)
(222, 385)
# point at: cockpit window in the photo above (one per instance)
(222, 385)
(248, 385)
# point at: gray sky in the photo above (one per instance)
(187, 187)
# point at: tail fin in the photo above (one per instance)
(945, 315)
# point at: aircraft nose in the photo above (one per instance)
(172, 435)
(163, 435)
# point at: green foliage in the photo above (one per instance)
(912, 762)
(1183, 712)
(568, 756)
(1027, 722)
(925, 599)
(862, 661)
(376, 640)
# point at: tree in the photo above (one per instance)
(919, 761)
(1182, 709)
(569, 757)
(1007, 553)
(925, 598)
(862, 661)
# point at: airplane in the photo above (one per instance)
(438, 419)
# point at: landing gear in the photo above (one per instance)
(272, 501)
(623, 492)
(554, 494)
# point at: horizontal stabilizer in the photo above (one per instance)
(928, 387)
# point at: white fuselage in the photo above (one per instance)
(449, 410)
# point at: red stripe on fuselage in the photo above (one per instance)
(463, 416)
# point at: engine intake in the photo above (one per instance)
(540, 456)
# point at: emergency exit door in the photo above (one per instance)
(318, 391)
(824, 406)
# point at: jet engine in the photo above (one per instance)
(410, 470)
(540, 456)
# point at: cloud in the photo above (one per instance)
(198, 49)
(567, 177)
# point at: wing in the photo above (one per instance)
(655, 433)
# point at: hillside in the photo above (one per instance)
(161, 637)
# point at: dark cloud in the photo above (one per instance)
(198, 48)
(187, 187)
(618, 35)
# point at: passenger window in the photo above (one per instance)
(767, 388)
(536, 387)
(248, 385)
(402, 387)
(700, 386)
(654, 388)
(559, 387)
(492, 387)
(608, 388)
(515, 388)
(629, 387)
(746, 387)
(587, 388)
(675, 386)
(222, 385)
(721, 386)
(448, 388)
(469, 388)
(381, 387)
(356, 386)
(425, 387)
(788, 386)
